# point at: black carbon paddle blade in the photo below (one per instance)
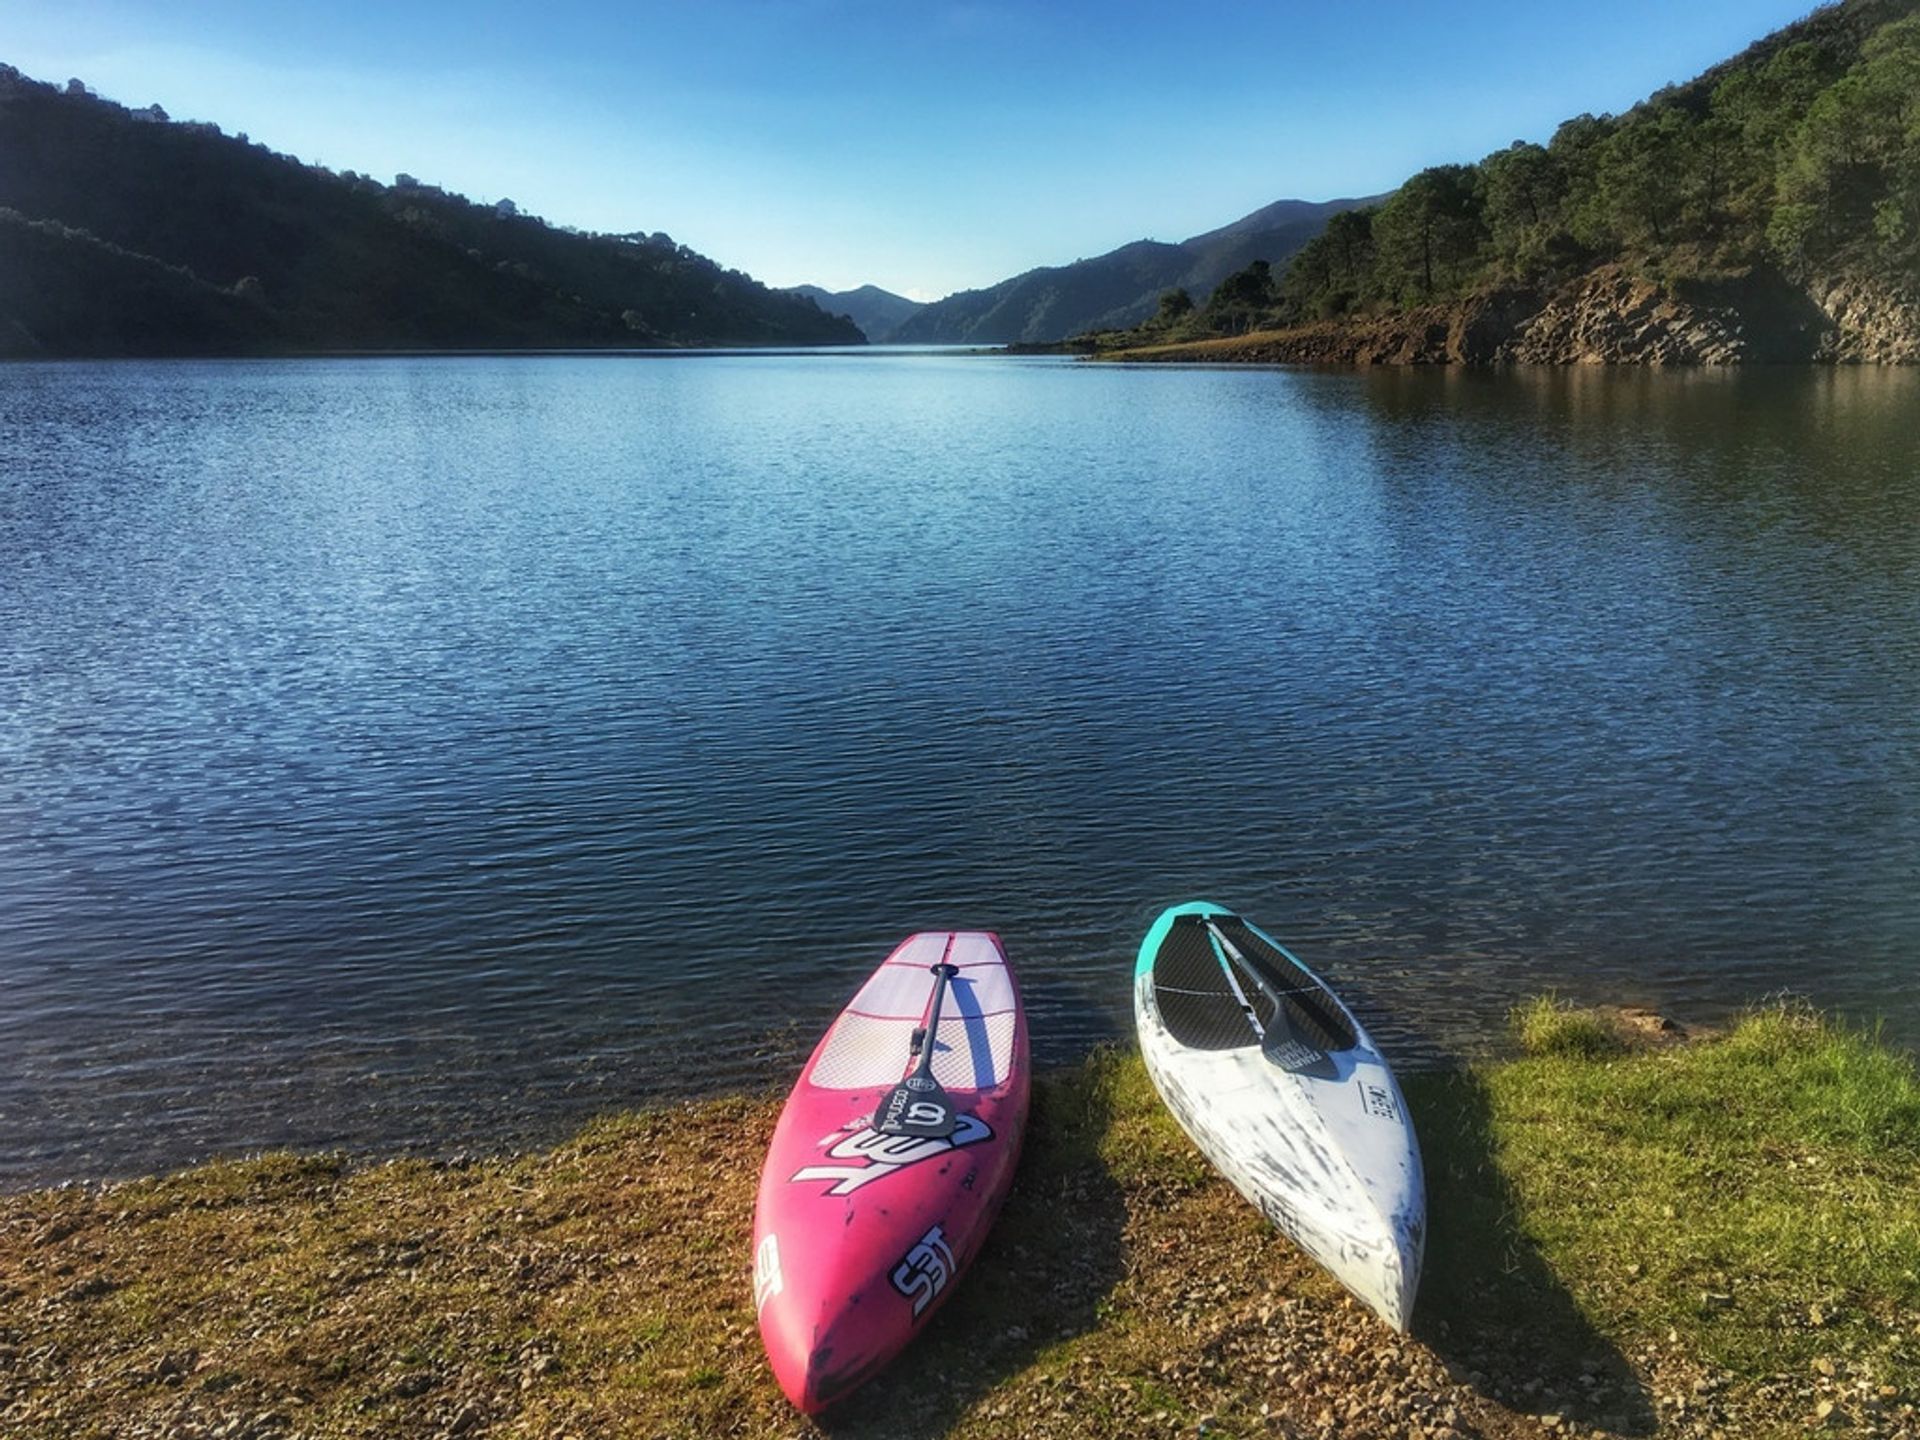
(917, 1106)
(1292, 1052)
(1298, 1058)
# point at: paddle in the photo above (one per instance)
(917, 1106)
(1279, 1042)
(1224, 950)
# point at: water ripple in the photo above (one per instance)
(428, 753)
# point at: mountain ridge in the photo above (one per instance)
(1121, 287)
(878, 313)
(125, 232)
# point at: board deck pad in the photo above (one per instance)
(1313, 1013)
(1199, 1007)
(870, 1044)
(1196, 1003)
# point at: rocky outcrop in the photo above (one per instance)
(1485, 325)
(1869, 322)
(1610, 316)
(1431, 335)
(1613, 317)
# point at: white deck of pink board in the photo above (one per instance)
(867, 1046)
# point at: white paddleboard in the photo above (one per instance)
(1283, 1090)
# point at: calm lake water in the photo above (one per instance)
(431, 752)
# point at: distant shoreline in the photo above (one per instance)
(558, 352)
(1611, 316)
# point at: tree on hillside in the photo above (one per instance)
(1331, 271)
(1575, 147)
(1891, 74)
(1765, 102)
(1762, 105)
(1242, 301)
(1642, 170)
(1175, 304)
(1307, 287)
(1716, 163)
(1428, 233)
(1349, 239)
(1521, 188)
(1851, 167)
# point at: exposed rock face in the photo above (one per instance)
(1869, 323)
(1609, 317)
(1486, 324)
(1613, 317)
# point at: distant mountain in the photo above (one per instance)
(1122, 287)
(122, 232)
(877, 312)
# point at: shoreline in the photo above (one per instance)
(1611, 316)
(463, 1134)
(1632, 1235)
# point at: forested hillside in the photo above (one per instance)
(1788, 167)
(123, 232)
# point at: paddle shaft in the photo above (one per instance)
(917, 1105)
(1289, 1052)
(942, 973)
(1229, 951)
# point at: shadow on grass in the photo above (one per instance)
(1053, 1256)
(1490, 1306)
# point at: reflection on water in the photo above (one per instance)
(431, 752)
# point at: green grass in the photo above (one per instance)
(1613, 1228)
(1755, 1194)
(1548, 1025)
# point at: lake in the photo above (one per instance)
(427, 753)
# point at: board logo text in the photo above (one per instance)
(882, 1155)
(925, 1269)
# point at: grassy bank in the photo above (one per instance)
(1424, 335)
(1272, 345)
(1716, 1237)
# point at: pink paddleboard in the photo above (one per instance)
(858, 1237)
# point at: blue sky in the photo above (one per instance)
(924, 147)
